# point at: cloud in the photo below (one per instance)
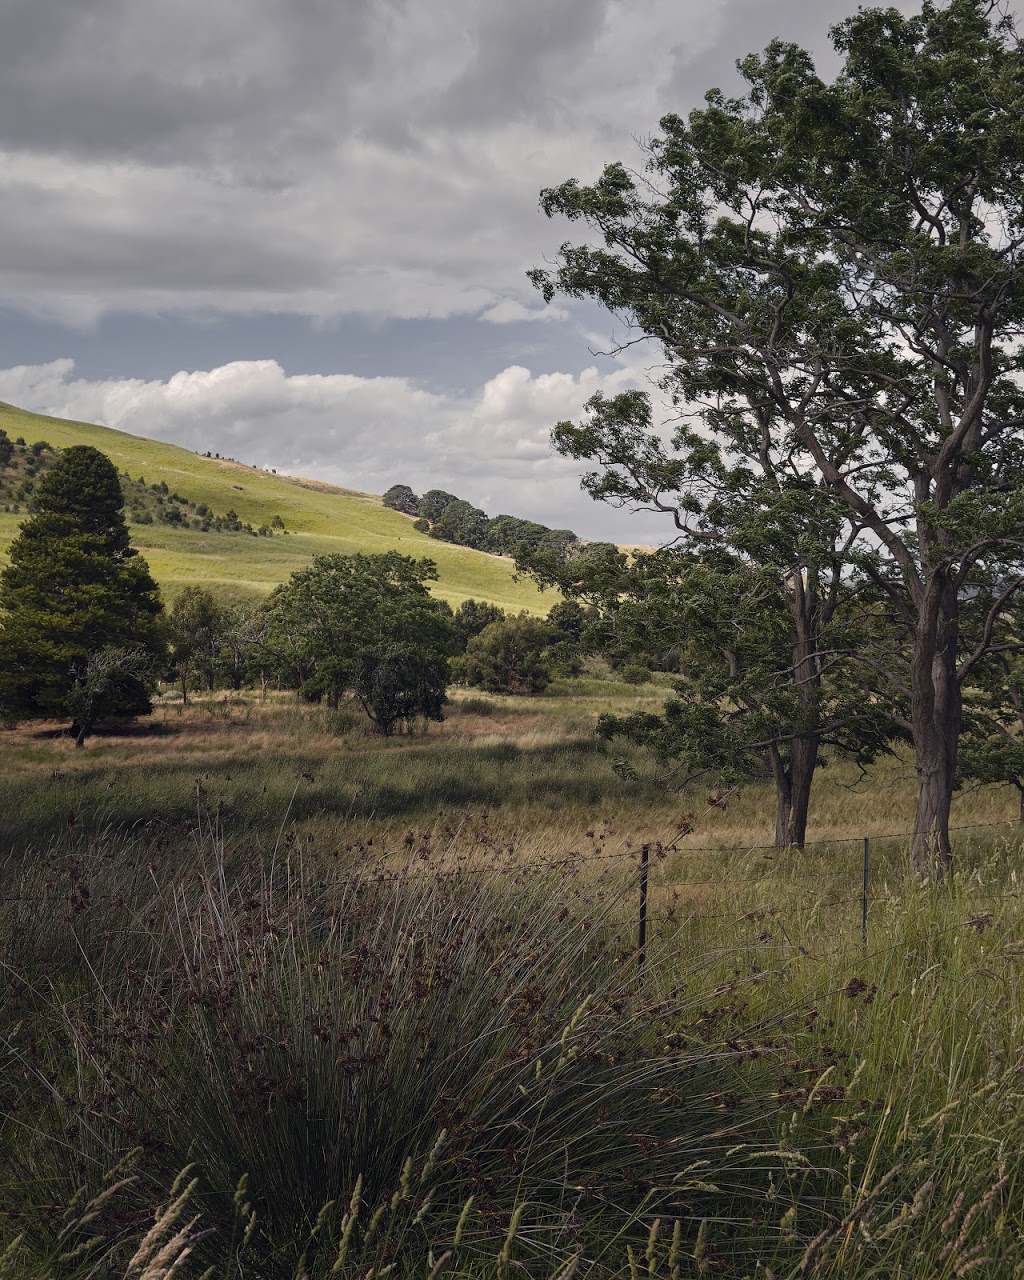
(509, 311)
(490, 445)
(378, 158)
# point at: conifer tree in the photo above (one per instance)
(76, 589)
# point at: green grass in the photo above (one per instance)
(203, 939)
(320, 519)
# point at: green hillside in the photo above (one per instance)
(319, 519)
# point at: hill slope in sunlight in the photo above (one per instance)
(318, 519)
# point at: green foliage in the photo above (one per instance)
(992, 747)
(433, 503)
(197, 628)
(471, 617)
(462, 523)
(568, 620)
(75, 588)
(834, 273)
(401, 498)
(508, 656)
(365, 625)
(400, 682)
(6, 449)
(452, 519)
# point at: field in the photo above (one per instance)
(381, 1000)
(320, 519)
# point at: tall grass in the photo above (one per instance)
(317, 1034)
(372, 1046)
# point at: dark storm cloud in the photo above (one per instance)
(184, 82)
(375, 157)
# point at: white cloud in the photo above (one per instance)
(490, 446)
(509, 311)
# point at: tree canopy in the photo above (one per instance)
(401, 498)
(508, 656)
(833, 271)
(366, 626)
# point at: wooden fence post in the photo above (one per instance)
(641, 948)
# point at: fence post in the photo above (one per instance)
(641, 947)
(864, 894)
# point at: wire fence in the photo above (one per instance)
(645, 873)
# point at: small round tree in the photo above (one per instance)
(508, 656)
(366, 626)
(80, 626)
(401, 498)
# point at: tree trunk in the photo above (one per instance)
(803, 761)
(931, 851)
(783, 797)
(936, 716)
(80, 731)
(793, 779)
(184, 690)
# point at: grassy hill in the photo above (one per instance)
(319, 519)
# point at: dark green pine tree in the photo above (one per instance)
(80, 625)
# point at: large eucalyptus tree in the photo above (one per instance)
(835, 269)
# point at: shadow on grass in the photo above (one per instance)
(305, 787)
(111, 731)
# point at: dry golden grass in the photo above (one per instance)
(529, 769)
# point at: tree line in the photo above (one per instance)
(444, 516)
(22, 466)
(84, 633)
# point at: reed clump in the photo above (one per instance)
(361, 1043)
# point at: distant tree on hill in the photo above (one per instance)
(6, 449)
(76, 589)
(462, 523)
(401, 498)
(433, 503)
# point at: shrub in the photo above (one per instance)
(507, 656)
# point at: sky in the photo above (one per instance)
(296, 232)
